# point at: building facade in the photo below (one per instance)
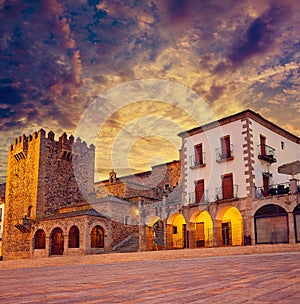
(226, 190)
(232, 192)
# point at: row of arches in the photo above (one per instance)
(270, 222)
(57, 239)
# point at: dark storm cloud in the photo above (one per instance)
(10, 95)
(260, 34)
(39, 59)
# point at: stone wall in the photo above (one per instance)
(114, 232)
(65, 173)
(117, 210)
(156, 183)
(40, 179)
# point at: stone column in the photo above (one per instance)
(217, 228)
(48, 248)
(291, 224)
(293, 186)
(66, 244)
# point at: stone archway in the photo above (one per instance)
(201, 230)
(177, 232)
(229, 227)
(271, 225)
(57, 242)
(154, 232)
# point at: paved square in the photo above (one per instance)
(255, 278)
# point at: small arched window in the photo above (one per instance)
(97, 237)
(74, 237)
(40, 239)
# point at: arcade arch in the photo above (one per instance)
(154, 233)
(229, 227)
(271, 225)
(201, 230)
(176, 233)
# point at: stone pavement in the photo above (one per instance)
(251, 278)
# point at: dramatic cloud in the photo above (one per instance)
(57, 56)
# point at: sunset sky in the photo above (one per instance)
(59, 56)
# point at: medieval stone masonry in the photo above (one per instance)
(236, 183)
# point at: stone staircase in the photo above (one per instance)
(131, 244)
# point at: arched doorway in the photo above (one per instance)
(40, 239)
(74, 237)
(296, 213)
(57, 241)
(229, 227)
(154, 233)
(97, 237)
(201, 230)
(177, 233)
(271, 225)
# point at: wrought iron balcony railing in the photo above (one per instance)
(196, 162)
(267, 153)
(203, 200)
(227, 192)
(224, 154)
(276, 189)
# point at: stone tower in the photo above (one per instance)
(43, 175)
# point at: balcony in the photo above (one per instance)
(196, 163)
(230, 192)
(192, 198)
(276, 189)
(224, 154)
(267, 154)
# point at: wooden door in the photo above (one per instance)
(199, 155)
(266, 184)
(199, 191)
(225, 146)
(226, 234)
(200, 235)
(227, 186)
(57, 242)
(262, 145)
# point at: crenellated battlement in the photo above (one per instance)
(66, 144)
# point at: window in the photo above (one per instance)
(40, 239)
(97, 237)
(266, 182)
(199, 191)
(199, 155)
(74, 237)
(127, 220)
(225, 147)
(262, 145)
(282, 145)
(227, 186)
(29, 211)
(174, 229)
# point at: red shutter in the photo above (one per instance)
(199, 191)
(198, 155)
(225, 146)
(266, 184)
(227, 186)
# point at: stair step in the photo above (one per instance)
(131, 245)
